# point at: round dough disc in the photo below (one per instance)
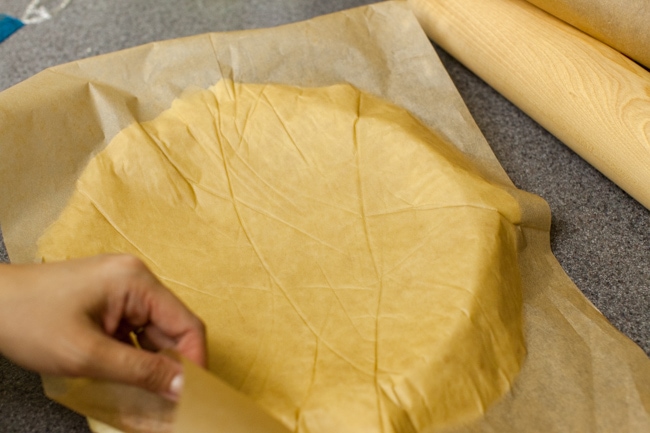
(354, 271)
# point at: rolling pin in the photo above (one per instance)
(623, 25)
(590, 96)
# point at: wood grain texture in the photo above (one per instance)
(621, 24)
(590, 96)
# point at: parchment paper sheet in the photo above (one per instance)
(623, 25)
(580, 375)
(325, 224)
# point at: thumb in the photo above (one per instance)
(120, 362)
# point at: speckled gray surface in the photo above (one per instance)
(600, 235)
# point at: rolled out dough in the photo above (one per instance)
(354, 271)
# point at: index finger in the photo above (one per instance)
(168, 323)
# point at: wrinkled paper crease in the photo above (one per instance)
(579, 373)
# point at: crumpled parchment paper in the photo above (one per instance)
(580, 374)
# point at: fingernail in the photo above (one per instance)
(176, 386)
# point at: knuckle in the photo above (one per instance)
(127, 263)
(120, 267)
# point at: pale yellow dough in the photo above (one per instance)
(354, 272)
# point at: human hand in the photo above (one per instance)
(73, 318)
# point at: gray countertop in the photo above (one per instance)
(600, 235)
